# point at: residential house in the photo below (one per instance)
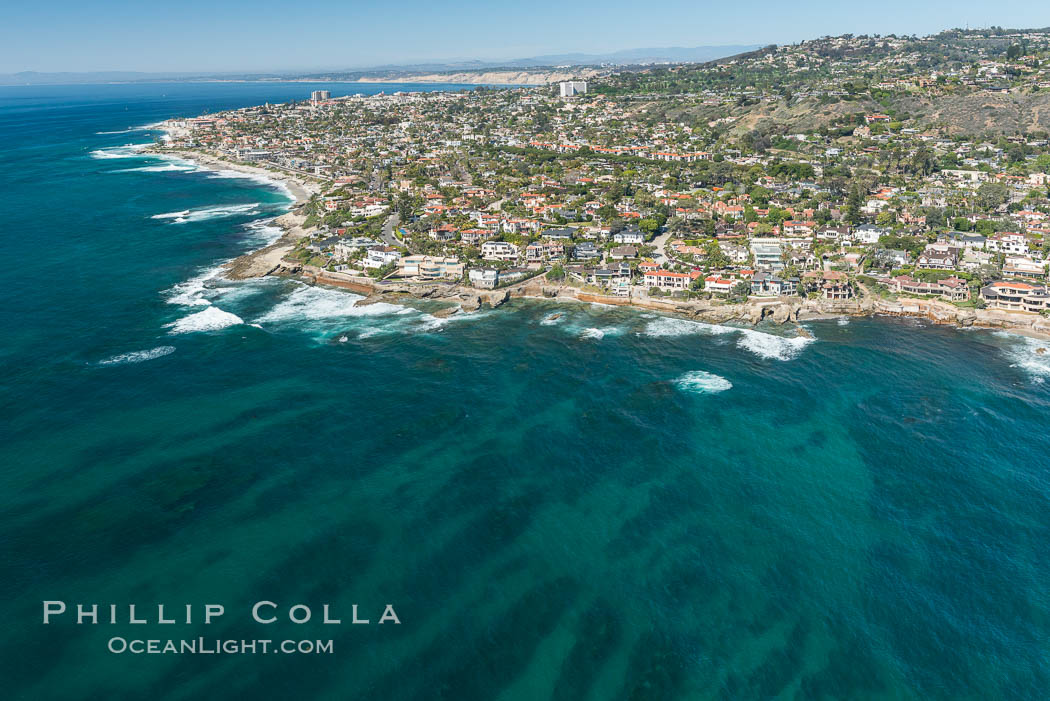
(1016, 296)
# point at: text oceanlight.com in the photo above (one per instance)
(205, 646)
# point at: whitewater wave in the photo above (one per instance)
(1029, 354)
(263, 232)
(251, 177)
(138, 356)
(842, 321)
(122, 131)
(125, 151)
(210, 319)
(208, 213)
(596, 334)
(163, 168)
(191, 292)
(767, 345)
(670, 326)
(320, 303)
(701, 382)
(764, 345)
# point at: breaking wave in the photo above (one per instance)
(123, 131)
(701, 382)
(210, 319)
(191, 292)
(319, 304)
(125, 151)
(138, 356)
(597, 334)
(670, 326)
(263, 232)
(767, 345)
(1029, 354)
(764, 345)
(251, 177)
(162, 168)
(207, 213)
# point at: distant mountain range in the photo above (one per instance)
(673, 54)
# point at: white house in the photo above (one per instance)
(499, 250)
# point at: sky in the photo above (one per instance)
(267, 35)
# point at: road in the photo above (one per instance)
(388, 230)
(658, 243)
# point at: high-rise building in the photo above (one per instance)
(571, 88)
(320, 96)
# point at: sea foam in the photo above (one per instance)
(596, 334)
(320, 303)
(161, 168)
(701, 382)
(210, 319)
(670, 326)
(1029, 354)
(767, 345)
(138, 356)
(191, 292)
(125, 151)
(207, 213)
(251, 177)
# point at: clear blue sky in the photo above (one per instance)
(266, 35)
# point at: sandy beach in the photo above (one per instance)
(300, 186)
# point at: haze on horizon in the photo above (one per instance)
(241, 36)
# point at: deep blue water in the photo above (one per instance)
(605, 505)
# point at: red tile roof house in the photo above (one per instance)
(667, 280)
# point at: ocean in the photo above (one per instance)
(606, 504)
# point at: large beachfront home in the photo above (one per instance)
(430, 268)
(1024, 267)
(767, 255)
(769, 285)
(718, 284)
(381, 255)
(537, 252)
(1016, 296)
(952, 289)
(667, 280)
(499, 250)
(484, 277)
(932, 259)
(830, 284)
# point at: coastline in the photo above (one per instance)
(299, 187)
(269, 260)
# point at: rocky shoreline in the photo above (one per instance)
(270, 260)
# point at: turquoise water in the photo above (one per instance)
(605, 505)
